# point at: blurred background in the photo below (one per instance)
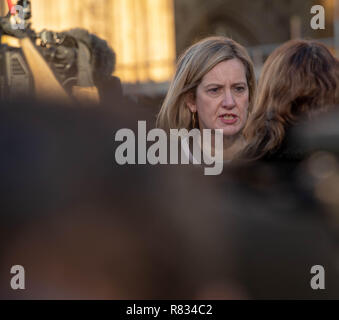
(148, 35)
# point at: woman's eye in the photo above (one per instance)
(214, 90)
(240, 89)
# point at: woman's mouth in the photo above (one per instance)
(229, 118)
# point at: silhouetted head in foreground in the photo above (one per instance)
(84, 227)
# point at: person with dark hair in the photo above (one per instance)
(288, 228)
(299, 80)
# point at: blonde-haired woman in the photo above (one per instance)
(213, 88)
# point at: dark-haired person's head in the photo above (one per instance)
(300, 79)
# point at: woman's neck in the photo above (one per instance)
(231, 146)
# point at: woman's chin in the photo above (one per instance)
(230, 132)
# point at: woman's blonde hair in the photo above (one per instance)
(298, 79)
(193, 64)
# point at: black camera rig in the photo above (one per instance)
(76, 57)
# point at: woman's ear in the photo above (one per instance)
(190, 102)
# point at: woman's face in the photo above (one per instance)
(222, 98)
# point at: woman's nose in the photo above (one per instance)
(228, 101)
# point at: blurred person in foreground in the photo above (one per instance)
(299, 82)
(84, 227)
(280, 175)
(213, 88)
